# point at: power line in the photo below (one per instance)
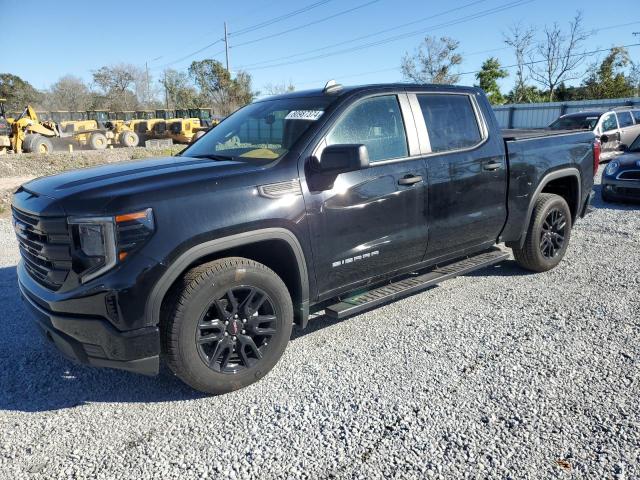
(315, 22)
(362, 37)
(279, 18)
(402, 36)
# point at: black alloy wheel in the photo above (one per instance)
(235, 330)
(553, 233)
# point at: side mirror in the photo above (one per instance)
(623, 148)
(337, 159)
(604, 138)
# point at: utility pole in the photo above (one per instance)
(146, 67)
(166, 93)
(226, 46)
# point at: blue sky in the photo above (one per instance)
(49, 39)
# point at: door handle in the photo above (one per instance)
(410, 179)
(492, 165)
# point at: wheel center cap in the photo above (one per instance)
(234, 327)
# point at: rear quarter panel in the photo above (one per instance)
(532, 160)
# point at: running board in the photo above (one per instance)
(373, 298)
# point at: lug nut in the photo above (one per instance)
(235, 316)
(226, 334)
(226, 322)
(244, 331)
(244, 320)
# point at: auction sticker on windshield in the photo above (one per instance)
(304, 115)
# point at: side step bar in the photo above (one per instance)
(372, 298)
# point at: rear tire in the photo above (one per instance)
(217, 357)
(548, 235)
(128, 139)
(97, 141)
(26, 143)
(41, 145)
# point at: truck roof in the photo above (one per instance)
(339, 91)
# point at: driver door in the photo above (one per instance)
(610, 137)
(374, 220)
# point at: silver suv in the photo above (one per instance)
(614, 128)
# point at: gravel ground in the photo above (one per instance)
(498, 374)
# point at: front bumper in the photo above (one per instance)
(94, 340)
(628, 190)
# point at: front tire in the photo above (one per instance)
(548, 234)
(227, 325)
(98, 141)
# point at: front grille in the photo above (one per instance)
(627, 192)
(629, 175)
(45, 247)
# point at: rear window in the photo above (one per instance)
(575, 122)
(625, 119)
(451, 121)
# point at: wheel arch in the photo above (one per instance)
(564, 182)
(279, 250)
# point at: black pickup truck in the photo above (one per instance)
(338, 199)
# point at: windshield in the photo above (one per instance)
(635, 146)
(575, 122)
(263, 130)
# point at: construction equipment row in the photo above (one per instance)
(31, 131)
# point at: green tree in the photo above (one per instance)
(179, 91)
(526, 94)
(433, 62)
(224, 93)
(609, 79)
(17, 92)
(488, 77)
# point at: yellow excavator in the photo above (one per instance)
(30, 134)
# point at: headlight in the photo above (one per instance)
(102, 242)
(612, 168)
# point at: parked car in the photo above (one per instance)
(338, 199)
(621, 177)
(614, 128)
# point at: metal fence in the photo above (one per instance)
(539, 115)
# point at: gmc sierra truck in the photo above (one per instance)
(337, 199)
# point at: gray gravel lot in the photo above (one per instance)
(498, 374)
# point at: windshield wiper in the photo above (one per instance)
(213, 156)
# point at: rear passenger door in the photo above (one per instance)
(628, 128)
(466, 169)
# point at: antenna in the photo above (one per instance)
(331, 86)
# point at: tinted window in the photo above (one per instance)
(575, 122)
(609, 122)
(375, 122)
(636, 115)
(451, 121)
(625, 119)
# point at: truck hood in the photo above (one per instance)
(91, 189)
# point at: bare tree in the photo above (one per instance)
(69, 93)
(520, 39)
(278, 88)
(560, 55)
(433, 61)
(117, 83)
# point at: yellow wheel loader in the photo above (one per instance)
(30, 134)
(157, 127)
(98, 131)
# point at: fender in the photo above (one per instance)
(562, 173)
(179, 265)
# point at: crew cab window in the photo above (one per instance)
(451, 121)
(625, 119)
(375, 122)
(609, 123)
(636, 116)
